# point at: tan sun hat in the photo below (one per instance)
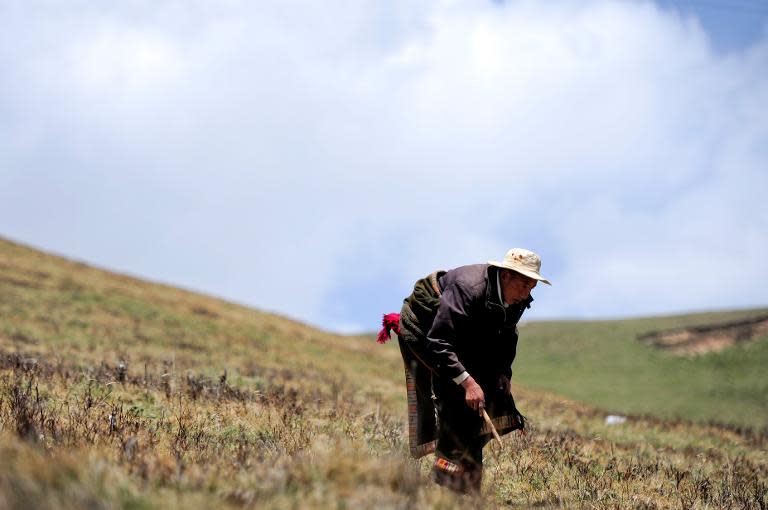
(524, 262)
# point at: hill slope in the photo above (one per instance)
(119, 393)
(604, 363)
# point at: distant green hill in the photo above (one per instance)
(603, 363)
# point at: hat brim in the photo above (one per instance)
(519, 269)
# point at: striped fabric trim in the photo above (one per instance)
(424, 449)
(410, 387)
(417, 450)
(501, 422)
(447, 466)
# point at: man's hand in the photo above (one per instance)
(475, 397)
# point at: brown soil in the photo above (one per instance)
(710, 338)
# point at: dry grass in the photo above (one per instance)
(117, 393)
(154, 439)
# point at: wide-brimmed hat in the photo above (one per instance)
(522, 261)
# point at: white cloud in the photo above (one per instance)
(283, 154)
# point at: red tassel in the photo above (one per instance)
(391, 322)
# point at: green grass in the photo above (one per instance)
(309, 419)
(602, 363)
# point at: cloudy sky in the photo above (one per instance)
(316, 158)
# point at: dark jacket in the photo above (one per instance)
(470, 329)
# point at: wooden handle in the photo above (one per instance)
(493, 429)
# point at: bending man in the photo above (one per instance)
(458, 337)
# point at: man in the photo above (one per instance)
(458, 337)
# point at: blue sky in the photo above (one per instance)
(315, 160)
(731, 25)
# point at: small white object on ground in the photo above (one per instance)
(613, 419)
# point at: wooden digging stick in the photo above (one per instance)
(493, 429)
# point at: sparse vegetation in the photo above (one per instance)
(118, 393)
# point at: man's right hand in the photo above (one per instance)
(475, 397)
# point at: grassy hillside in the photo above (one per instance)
(118, 393)
(602, 363)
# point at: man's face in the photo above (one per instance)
(515, 286)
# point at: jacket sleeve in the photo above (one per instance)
(445, 332)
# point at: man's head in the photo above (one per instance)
(518, 274)
(515, 287)
(522, 261)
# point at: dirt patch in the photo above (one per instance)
(710, 338)
(201, 310)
